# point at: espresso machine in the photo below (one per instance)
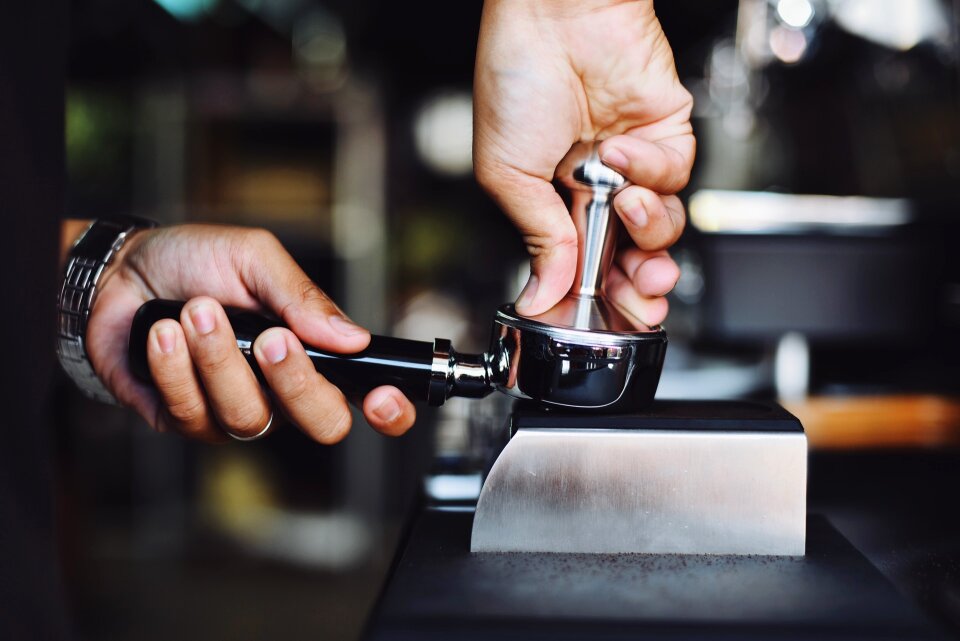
(604, 512)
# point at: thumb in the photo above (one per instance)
(279, 283)
(538, 212)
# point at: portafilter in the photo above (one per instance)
(584, 353)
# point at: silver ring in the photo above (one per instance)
(261, 434)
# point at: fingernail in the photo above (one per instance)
(344, 327)
(528, 294)
(203, 319)
(388, 411)
(636, 212)
(274, 347)
(166, 339)
(615, 158)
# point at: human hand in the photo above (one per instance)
(204, 387)
(550, 73)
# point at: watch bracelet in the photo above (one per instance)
(90, 255)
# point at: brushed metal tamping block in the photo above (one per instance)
(681, 478)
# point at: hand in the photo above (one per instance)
(550, 73)
(204, 387)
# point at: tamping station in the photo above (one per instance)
(586, 470)
(712, 495)
(678, 479)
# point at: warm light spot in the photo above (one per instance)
(788, 45)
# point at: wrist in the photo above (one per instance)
(120, 261)
(87, 262)
(70, 231)
(562, 8)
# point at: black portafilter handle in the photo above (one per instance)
(423, 371)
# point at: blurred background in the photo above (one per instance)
(819, 268)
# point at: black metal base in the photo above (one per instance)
(706, 416)
(439, 590)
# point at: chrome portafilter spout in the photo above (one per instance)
(584, 353)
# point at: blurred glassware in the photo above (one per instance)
(320, 49)
(896, 24)
(429, 314)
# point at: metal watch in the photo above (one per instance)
(90, 255)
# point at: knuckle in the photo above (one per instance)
(566, 237)
(177, 388)
(674, 273)
(296, 387)
(335, 424)
(250, 247)
(245, 419)
(213, 360)
(679, 180)
(680, 224)
(188, 411)
(677, 173)
(310, 300)
(619, 289)
(666, 176)
(629, 257)
(311, 293)
(551, 241)
(259, 238)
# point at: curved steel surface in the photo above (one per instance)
(574, 368)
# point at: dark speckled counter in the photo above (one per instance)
(439, 590)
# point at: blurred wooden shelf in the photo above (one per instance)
(866, 422)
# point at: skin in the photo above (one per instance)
(204, 388)
(549, 73)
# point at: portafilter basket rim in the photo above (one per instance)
(507, 315)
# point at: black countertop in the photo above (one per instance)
(439, 590)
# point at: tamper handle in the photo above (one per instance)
(592, 187)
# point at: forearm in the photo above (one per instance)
(561, 8)
(70, 230)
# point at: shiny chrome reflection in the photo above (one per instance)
(567, 367)
(592, 186)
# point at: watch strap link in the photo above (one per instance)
(93, 251)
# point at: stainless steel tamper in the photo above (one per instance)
(625, 482)
(584, 353)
